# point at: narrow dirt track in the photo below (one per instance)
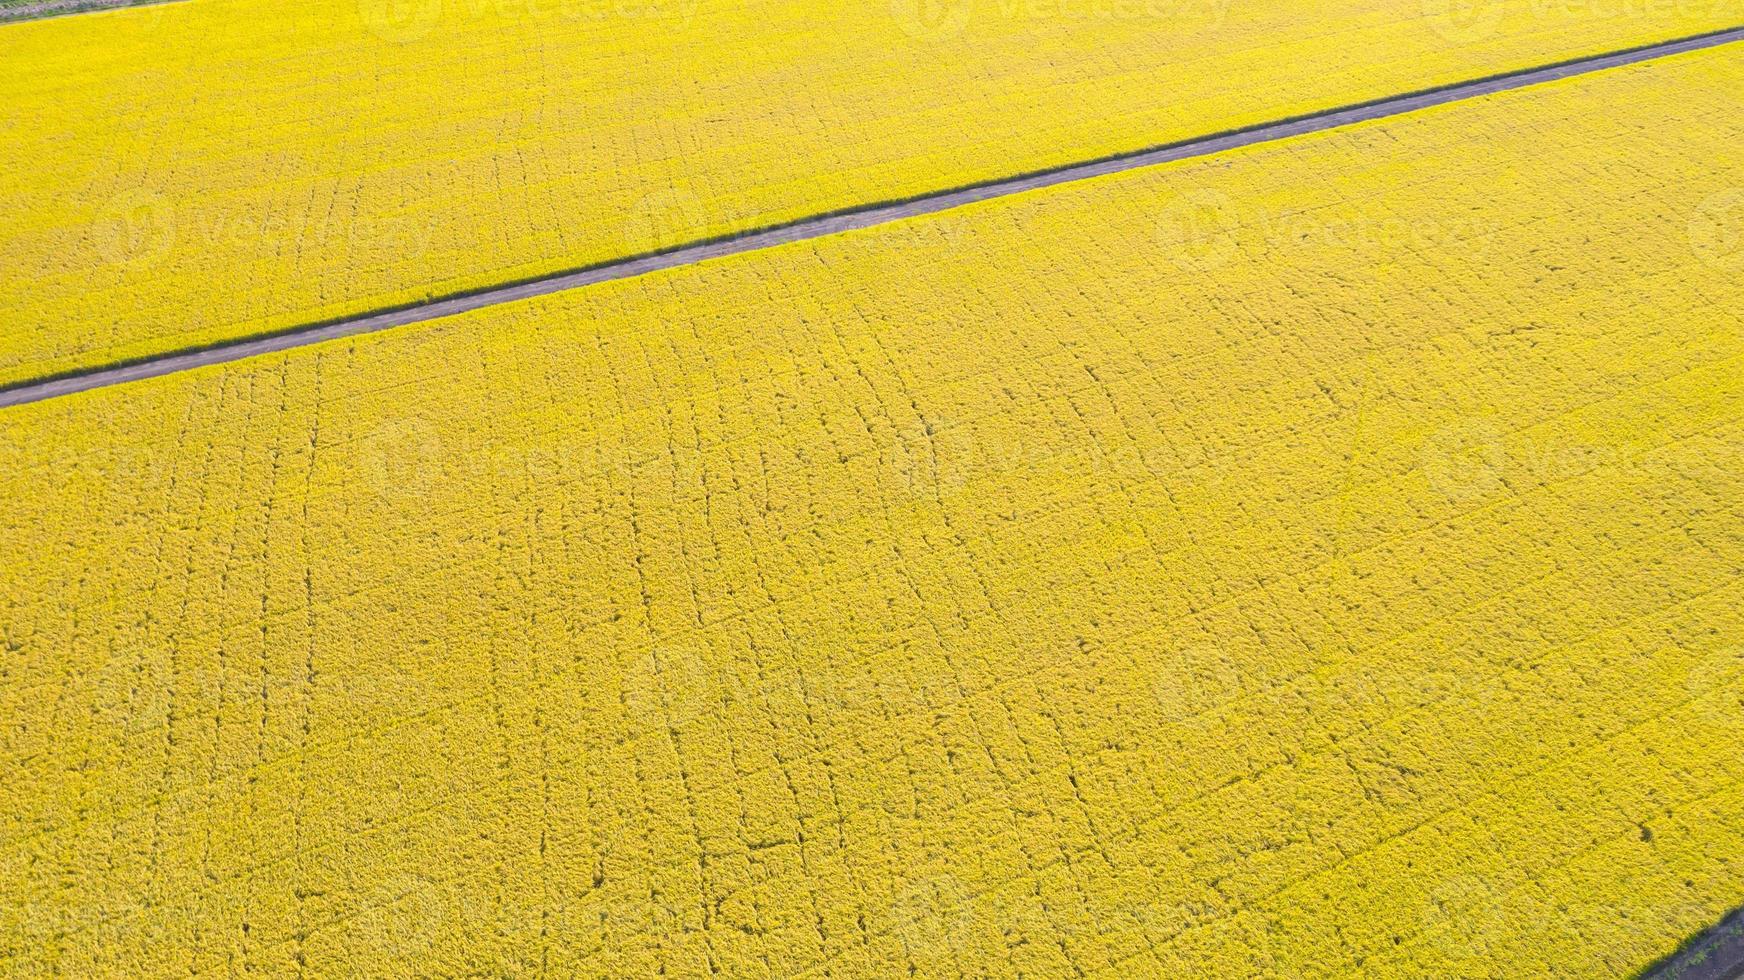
(848, 220)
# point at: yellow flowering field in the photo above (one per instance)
(213, 169)
(1321, 559)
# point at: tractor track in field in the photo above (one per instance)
(850, 219)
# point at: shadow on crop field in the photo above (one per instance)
(1714, 954)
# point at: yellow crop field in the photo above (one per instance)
(1321, 559)
(214, 169)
